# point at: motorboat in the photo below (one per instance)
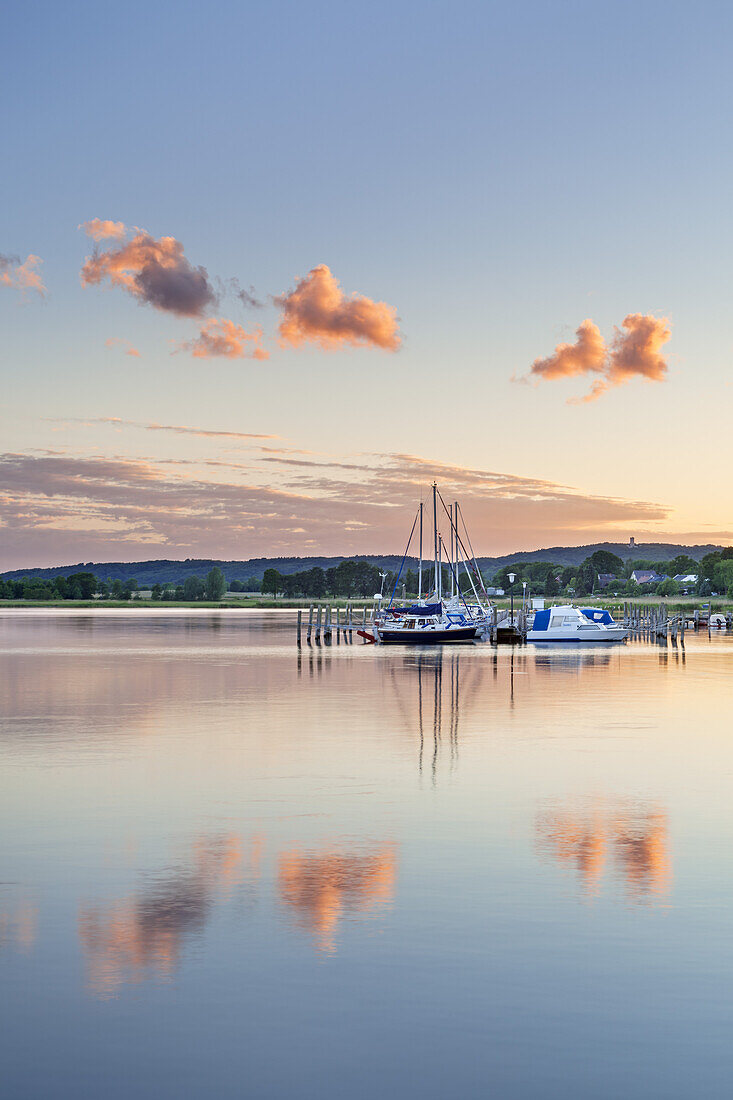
(567, 623)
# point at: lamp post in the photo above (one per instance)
(512, 577)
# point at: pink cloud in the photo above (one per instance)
(100, 229)
(634, 352)
(22, 276)
(58, 507)
(586, 355)
(318, 311)
(225, 339)
(156, 272)
(118, 341)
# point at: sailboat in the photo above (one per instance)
(437, 620)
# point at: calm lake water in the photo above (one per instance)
(232, 870)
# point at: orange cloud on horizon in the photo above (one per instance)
(318, 311)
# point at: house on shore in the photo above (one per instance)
(648, 576)
(686, 581)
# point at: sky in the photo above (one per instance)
(266, 271)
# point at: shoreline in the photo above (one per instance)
(156, 606)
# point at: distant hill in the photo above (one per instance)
(574, 555)
(151, 572)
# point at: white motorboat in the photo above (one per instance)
(568, 623)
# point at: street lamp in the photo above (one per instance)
(512, 577)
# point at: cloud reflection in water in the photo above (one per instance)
(143, 936)
(626, 838)
(322, 887)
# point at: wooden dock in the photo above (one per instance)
(327, 623)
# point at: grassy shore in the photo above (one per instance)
(262, 603)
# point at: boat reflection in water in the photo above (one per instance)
(323, 887)
(432, 692)
(143, 936)
(629, 840)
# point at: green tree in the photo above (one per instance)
(271, 582)
(193, 588)
(669, 587)
(83, 583)
(586, 578)
(723, 576)
(684, 564)
(606, 562)
(551, 585)
(215, 584)
(156, 593)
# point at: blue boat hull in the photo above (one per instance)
(428, 637)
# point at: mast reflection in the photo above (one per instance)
(433, 690)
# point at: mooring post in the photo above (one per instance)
(318, 623)
(310, 624)
(300, 625)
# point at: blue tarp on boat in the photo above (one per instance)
(541, 620)
(597, 615)
(424, 609)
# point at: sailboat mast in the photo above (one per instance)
(455, 543)
(440, 568)
(419, 572)
(435, 537)
(450, 551)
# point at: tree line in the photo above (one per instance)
(86, 586)
(551, 579)
(358, 579)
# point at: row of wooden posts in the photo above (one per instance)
(325, 621)
(655, 619)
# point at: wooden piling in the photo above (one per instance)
(300, 625)
(318, 624)
(310, 624)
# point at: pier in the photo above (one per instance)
(326, 623)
